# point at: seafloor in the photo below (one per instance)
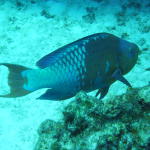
(29, 29)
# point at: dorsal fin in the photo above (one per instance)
(50, 58)
(55, 55)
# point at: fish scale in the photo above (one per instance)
(72, 63)
(78, 73)
(90, 63)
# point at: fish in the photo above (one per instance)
(91, 63)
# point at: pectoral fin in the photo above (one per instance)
(118, 76)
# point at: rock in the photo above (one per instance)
(122, 123)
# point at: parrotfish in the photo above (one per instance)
(90, 63)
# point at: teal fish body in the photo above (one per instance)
(90, 63)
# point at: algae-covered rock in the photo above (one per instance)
(120, 123)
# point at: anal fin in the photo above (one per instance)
(52, 94)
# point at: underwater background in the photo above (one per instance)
(30, 29)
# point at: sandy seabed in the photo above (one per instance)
(32, 29)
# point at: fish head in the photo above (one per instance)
(128, 55)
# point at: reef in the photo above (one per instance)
(118, 123)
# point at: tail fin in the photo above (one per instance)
(15, 80)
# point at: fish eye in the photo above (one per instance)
(133, 51)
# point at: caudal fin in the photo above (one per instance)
(15, 80)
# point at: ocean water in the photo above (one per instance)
(30, 29)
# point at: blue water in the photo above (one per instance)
(30, 29)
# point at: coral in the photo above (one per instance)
(121, 122)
